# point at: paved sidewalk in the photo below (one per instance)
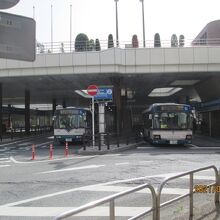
(205, 141)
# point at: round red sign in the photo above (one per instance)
(92, 90)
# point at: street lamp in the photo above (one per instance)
(116, 10)
(142, 1)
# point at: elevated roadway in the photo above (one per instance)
(53, 78)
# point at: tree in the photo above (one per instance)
(40, 47)
(97, 45)
(62, 48)
(157, 42)
(181, 40)
(91, 45)
(174, 41)
(135, 41)
(110, 41)
(81, 42)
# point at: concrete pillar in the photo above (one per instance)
(118, 103)
(1, 112)
(64, 103)
(9, 116)
(101, 120)
(54, 106)
(101, 117)
(210, 124)
(27, 112)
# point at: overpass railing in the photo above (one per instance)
(155, 194)
(68, 47)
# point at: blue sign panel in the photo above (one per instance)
(104, 94)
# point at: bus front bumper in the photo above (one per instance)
(172, 142)
(68, 138)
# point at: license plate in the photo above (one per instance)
(68, 139)
(173, 142)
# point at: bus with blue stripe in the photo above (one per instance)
(72, 124)
(168, 123)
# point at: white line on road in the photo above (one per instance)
(1, 166)
(4, 158)
(46, 160)
(173, 191)
(74, 168)
(193, 145)
(119, 164)
(84, 187)
(100, 211)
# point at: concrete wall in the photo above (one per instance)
(116, 60)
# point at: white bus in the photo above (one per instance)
(168, 123)
(70, 124)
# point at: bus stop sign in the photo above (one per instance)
(92, 90)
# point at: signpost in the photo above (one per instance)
(17, 38)
(104, 94)
(92, 90)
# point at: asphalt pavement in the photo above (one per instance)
(43, 188)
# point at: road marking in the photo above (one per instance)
(4, 158)
(16, 142)
(74, 168)
(119, 164)
(24, 144)
(47, 160)
(173, 191)
(3, 149)
(1, 166)
(193, 145)
(109, 155)
(6, 161)
(100, 211)
(84, 187)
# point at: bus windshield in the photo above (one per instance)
(172, 120)
(69, 121)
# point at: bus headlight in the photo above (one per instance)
(156, 137)
(189, 137)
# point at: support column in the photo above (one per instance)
(9, 117)
(54, 106)
(1, 113)
(210, 124)
(64, 103)
(102, 120)
(27, 112)
(118, 103)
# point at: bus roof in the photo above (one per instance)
(73, 107)
(153, 106)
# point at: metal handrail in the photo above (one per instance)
(191, 191)
(111, 200)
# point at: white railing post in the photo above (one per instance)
(190, 195)
(112, 210)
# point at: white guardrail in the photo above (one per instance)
(156, 196)
(69, 46)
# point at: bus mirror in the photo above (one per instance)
(150, 116)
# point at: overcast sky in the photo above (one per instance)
(96, 18)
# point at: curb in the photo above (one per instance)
(101, 152)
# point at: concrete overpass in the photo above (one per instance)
(53, 78)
